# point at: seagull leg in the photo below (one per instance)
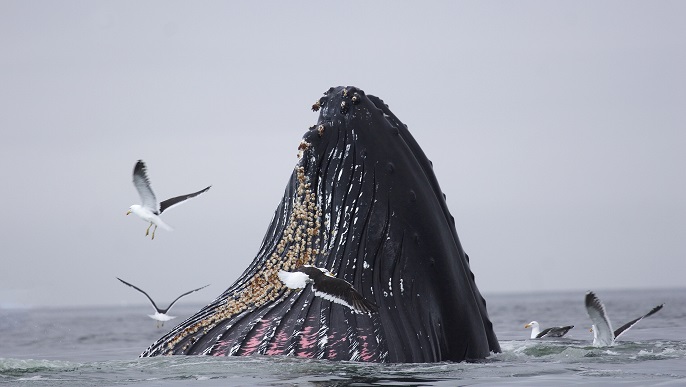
(148, 230)
(153, 236)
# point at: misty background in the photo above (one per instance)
(557, 131)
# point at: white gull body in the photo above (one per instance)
(160, 314)
(150, 210)
(328, 287)
(603, 335)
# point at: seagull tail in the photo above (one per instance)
(163, 225)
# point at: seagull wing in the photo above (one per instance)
(341, 292)
(633, 322)
(603, 328)
(146, 294)
(544, 333)
(555, 331)
(169, 203)
(177, 298)
(142, 184)
(561, 331)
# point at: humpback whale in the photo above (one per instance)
(362, 202)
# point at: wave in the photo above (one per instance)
(17, 367)
(580, 351)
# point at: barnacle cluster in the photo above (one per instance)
(297, 246)
(304, 145)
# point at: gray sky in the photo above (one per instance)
(557, 131)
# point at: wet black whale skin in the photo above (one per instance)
(385, 228)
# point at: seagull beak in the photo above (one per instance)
(128, 212)
(527, 326)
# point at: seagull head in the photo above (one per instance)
(323, 270)
(531, 324)
(134, 208)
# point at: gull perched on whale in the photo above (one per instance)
(327, 286)
(160, 314)
(150, 210)
(603, 336)
(537, 333)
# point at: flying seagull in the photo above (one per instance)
(151, 210)
(327, 286)
(603, 336)
(160, 314)
(537, 333)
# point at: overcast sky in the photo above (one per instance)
(557, 131)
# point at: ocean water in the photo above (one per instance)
(100, 346)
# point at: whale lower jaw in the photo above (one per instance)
(362, 202)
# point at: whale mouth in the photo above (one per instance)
(363, 202)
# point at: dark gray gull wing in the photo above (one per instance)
(341, 292)
(177, 298)
(158, 310)
(175, 201)
(633, 322)
(555, 331)
(337, 290)
(603, 335)
(142, 184)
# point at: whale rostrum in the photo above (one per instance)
(364, 204)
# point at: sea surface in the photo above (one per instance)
(100, 346)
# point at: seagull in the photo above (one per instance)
(327, 286)
(150, 210)
(603, 336)
(536, 333)
(160, 314)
